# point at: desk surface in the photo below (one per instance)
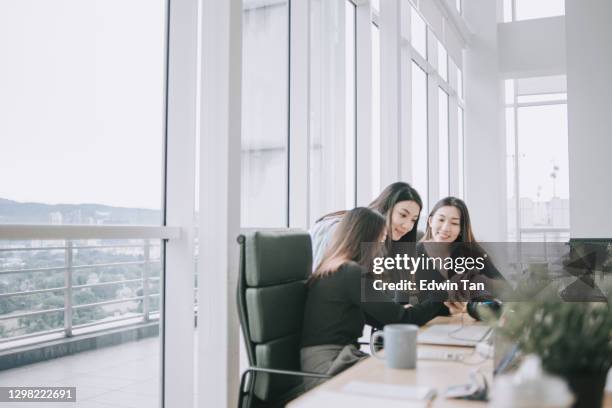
(437, 374)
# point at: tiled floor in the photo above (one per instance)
(124, 376)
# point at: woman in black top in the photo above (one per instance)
(335, 313)
(449, 235)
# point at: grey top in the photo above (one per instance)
(321, 234)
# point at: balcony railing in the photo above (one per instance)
(79, 279)
(68, 269)
(544, 234)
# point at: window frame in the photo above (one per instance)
(515, 105)
(455, 102)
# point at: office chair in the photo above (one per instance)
(274, 266)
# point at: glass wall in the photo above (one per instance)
(443, 144)
(537, 151)
(375, 147)
(419, 133)
(442, 62)
(82, 125)
(418, 33)
(332, 107)
(81, 115)
(459, 84)
(529, 9)
(460, 152)
(265, 112)
(511, 174)
(517, 10)
(350, 101)
(437, 96)
(543, 166)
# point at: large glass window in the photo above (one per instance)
(517, 10)
(460, 152)
(459, 84)
(82, 134)
(419, 160)
(529, 9)
(375, 152)
(80, 112)
(332, 106)
(375, 5)
(507, 11)
(433, 69)
(511, 187)
(537, 145)
(350, 134)
(442, 61)
(443, 146)
(265, 113)
(418, 33)
(543, 166)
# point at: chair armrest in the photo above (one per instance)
(287, 372)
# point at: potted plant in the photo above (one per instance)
(573, 340)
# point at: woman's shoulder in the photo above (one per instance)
(420, 248)
(327, 222)
(324, 227)
(351, 269)
(345, 275)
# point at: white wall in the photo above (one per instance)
(589, 67)
(484, 137)
(532, 47)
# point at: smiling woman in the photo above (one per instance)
(399, 203)
(449, 221)
(404, 216)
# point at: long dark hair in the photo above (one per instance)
(384, 203)
(465, 234)
(386, 200)
(358, 226)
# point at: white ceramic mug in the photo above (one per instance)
(400, 344)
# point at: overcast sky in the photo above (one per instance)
(81, 101)
(81, 106)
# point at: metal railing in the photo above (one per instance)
(544, 234)
(69, 268)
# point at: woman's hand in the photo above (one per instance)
(456, 308)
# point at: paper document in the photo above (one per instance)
(393, 391)
(324, 398)
(453, 334)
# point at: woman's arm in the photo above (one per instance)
(379, 308)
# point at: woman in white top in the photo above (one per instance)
(399, 203)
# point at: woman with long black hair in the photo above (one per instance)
(449, 234)
(336, 308)
(399, 203)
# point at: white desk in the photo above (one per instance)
(437, 374)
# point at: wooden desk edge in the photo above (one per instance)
(372, 365)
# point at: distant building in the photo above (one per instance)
(553, 213)
(56, 218)
(74, 217)
(559, 211)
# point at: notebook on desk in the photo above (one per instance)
(453, 335)
(326, 398)
(393, 391)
